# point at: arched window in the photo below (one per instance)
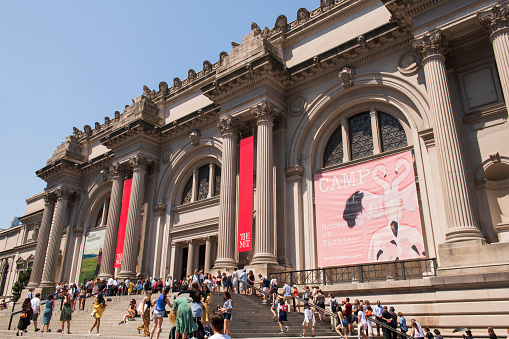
(334, 149)
(202, 184)
(392, 134)
(3, 279)
(361, 136)
(99, 219)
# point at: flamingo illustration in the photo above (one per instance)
(395, 241)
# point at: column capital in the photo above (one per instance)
(294, 173)
(495, 19)
(49, 198)
(117, 171)
(431, 45)
(265, 113)
(159, 209)
(139, 162)
(228, 127)
(63, 193)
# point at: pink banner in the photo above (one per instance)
(368, 213)
(246, 194)
(126, 196)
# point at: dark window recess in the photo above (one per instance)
(361, 136)
(391, 132)
(217, 180)
(203, 182)
(188, 191)
(99, 217)
(334, 149)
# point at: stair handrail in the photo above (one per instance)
(335, 316)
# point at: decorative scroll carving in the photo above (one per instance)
(227, 126)
(346, 76)
(432, 44)
(63, 193)
(195, 137)
(495, 19)
(139, 163)
(116, 170)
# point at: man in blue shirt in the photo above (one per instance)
(243, 281)
(287, 295)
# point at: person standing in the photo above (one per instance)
(47, 314)
(36, 308)
(235, 280)
(394, 322)
(217, 325)
(295, 297)
(417, 331)
(492, 333)
(368, 310)
(243, 282)
(147, 303)
(348, 316)
(402, 325)
(309, 320)
(25, 316)
(206, 299)
(386, 318)
(227, 312)
(65, 313)
(158, 314)
(265, 286)
(362, 323)
(377, 310)
(184, 316)
(99, 307)
(287, 295)
(437, 333)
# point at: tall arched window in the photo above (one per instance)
(334, 149)
(205, 182)
(390, 135)
(3, 279)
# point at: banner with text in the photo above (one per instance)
(368, 213)
(246, 194)
(126, 196)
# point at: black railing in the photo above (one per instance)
(394, 270)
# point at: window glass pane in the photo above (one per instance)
(334, 149)
(361, 137)
(188, 191)
(391, 132)
(217, 180)
(203, 182)
(99, 217)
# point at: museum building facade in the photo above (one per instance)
(344, 97)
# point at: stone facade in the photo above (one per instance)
(305, 89)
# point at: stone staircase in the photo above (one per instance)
(251, 319)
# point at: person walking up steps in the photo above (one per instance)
(99, 307)
(309, 320)
(283, 314)
(159, 312)
(147, 303)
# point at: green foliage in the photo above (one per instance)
(20, 284)
(88, 267)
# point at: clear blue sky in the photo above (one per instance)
(71, 63)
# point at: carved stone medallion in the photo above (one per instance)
(167, 155)
(409, 63)
(297, 104)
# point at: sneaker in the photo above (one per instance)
(302, 335)
(98, 334)
(89, 333)
(287, 328)
(282, 331)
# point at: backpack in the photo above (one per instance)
(172, 332)
(283, 308)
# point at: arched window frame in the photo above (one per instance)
(341, 121)
(101, 213)
(194, 177)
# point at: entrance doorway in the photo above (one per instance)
(183, 269)
(201, 257)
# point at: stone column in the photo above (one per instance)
(128, 268)
(264, 236)
(460, 220)
(208, 254)
(345, 139)
(496, 21)
(50, 264)
(295, 223)
(158, 251)
(374, 132)
(226, 230)
(190, 258)
(42, 241)
(110, 238)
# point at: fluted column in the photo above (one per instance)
(110, 239)
(208, 254)
(496, 21)
(159, 251)
(226, 230)
(42, 241)
(264, 234)
(460, 220)
(190, 258)
(50, 264)
(131, 242)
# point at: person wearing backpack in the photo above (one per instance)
(283, 314)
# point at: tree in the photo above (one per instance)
(20, 284)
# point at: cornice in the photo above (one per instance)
(197, 205)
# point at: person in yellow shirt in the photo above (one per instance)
(99, 307)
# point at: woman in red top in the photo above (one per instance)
(295, 296)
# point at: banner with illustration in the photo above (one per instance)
(92, 255)
(368, 213)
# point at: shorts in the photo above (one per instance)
(227, 316)
(243, 285)
(266, 289)
(282, 317)
(89, 291)
(158, 314)
(35, 316)
(349, 319)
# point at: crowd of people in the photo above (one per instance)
(190, 314)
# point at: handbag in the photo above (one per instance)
(23, 316)
(140, 308)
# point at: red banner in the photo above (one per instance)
(368, 213)
(126, 196)
(246, 194)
